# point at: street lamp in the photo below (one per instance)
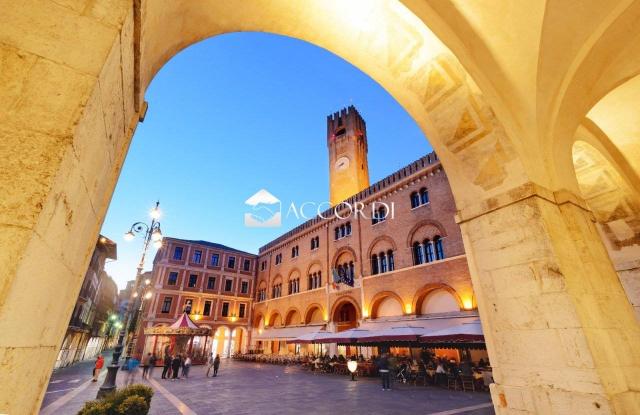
(352, 365)
(152, 233)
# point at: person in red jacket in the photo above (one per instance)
(98, 367)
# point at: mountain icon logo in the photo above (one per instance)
(265, 210)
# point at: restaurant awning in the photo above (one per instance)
(315, 337)
(396, 334)
(388, 331)
(286, 333)
(462, 333)
(345, 337)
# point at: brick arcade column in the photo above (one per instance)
(561, 333)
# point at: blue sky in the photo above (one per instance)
(237, 113)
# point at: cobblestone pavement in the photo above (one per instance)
(249, 388)
(70, 387)
(69, 378)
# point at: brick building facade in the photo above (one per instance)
(396, 242)
(89, 330)
(211, 282)
(411, 266)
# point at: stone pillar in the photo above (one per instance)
(629, 274)
(560, 332)
(229, 343)
(66, 119)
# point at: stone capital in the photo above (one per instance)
(518, 194)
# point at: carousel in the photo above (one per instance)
(183, 336)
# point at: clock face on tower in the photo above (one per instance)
(342, 163)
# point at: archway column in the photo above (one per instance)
(561, 334)
(66, 122)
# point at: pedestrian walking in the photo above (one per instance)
(166, 371)
(209, 365)
(132, 366)
(145, 366)
(383, 368)
(182, 360)
(175, 366)
(152, 365)
(216, 365)
(97, 368)
(186, 367)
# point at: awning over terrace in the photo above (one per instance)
(315, 337)
(401, 331)
(462, 333)
(287, 333)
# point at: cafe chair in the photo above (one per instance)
(468, 383)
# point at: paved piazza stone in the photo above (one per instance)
(250, 388)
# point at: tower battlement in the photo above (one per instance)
(346, 123)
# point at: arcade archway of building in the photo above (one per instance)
(542, 276)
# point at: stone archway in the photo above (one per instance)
(345, 313)
(314, 314)
(76, 95)
(422, 294)
(382, 297)
(293, 317)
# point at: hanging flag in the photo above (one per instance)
(337, 279)
(345, 278)
(348, 279)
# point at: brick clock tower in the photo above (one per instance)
(347, 143)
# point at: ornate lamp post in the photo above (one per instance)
(144, 293)
(152, 233)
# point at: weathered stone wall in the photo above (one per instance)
(562, 332)
(66, 119)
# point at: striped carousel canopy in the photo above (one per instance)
(183, 326)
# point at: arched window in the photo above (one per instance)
(337, 230)
(351, 270)
(428, 250)
(424, 196)
(439, 249)
(379, 215)
(343, 231)
(374, 264)
(391, 265)
(415, 200)
(418, 258)
(348, 228)
(383, 262)
(382, 213)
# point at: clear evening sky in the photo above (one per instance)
(235, 114)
